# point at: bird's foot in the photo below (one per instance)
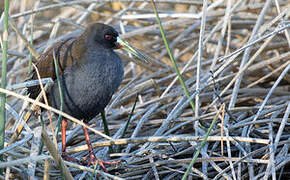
(66, 157)
(92, 160)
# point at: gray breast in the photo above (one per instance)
(88, 88)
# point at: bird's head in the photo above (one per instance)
(107, 37)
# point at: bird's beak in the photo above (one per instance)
(121, 44)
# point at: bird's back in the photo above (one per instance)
(63, 53)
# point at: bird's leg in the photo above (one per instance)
(93, 159)
(64, 155)
(91, 153)
(63, 134)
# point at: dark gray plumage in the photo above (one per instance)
(90, 71)
(88, 87)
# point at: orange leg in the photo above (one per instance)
(93, 159)
(63, 134)
(64, 155)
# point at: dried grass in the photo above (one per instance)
(239, 63)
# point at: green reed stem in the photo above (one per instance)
(3, 78)
(171, 56)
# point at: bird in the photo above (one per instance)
(90, 72)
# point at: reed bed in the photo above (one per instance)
(233, 57)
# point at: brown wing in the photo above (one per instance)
(67, 52)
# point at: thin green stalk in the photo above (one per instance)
(128, 122)
(41, 142)
(94, 173)
(3, 78)
(129, 119)
(31, 43)
(171, 56)
(106, 127)
(199, 148)
(185, 90)
(55, 60)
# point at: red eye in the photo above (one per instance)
(108, 37)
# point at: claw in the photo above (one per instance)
(66, 157)
(90, 159)
(94, 161)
